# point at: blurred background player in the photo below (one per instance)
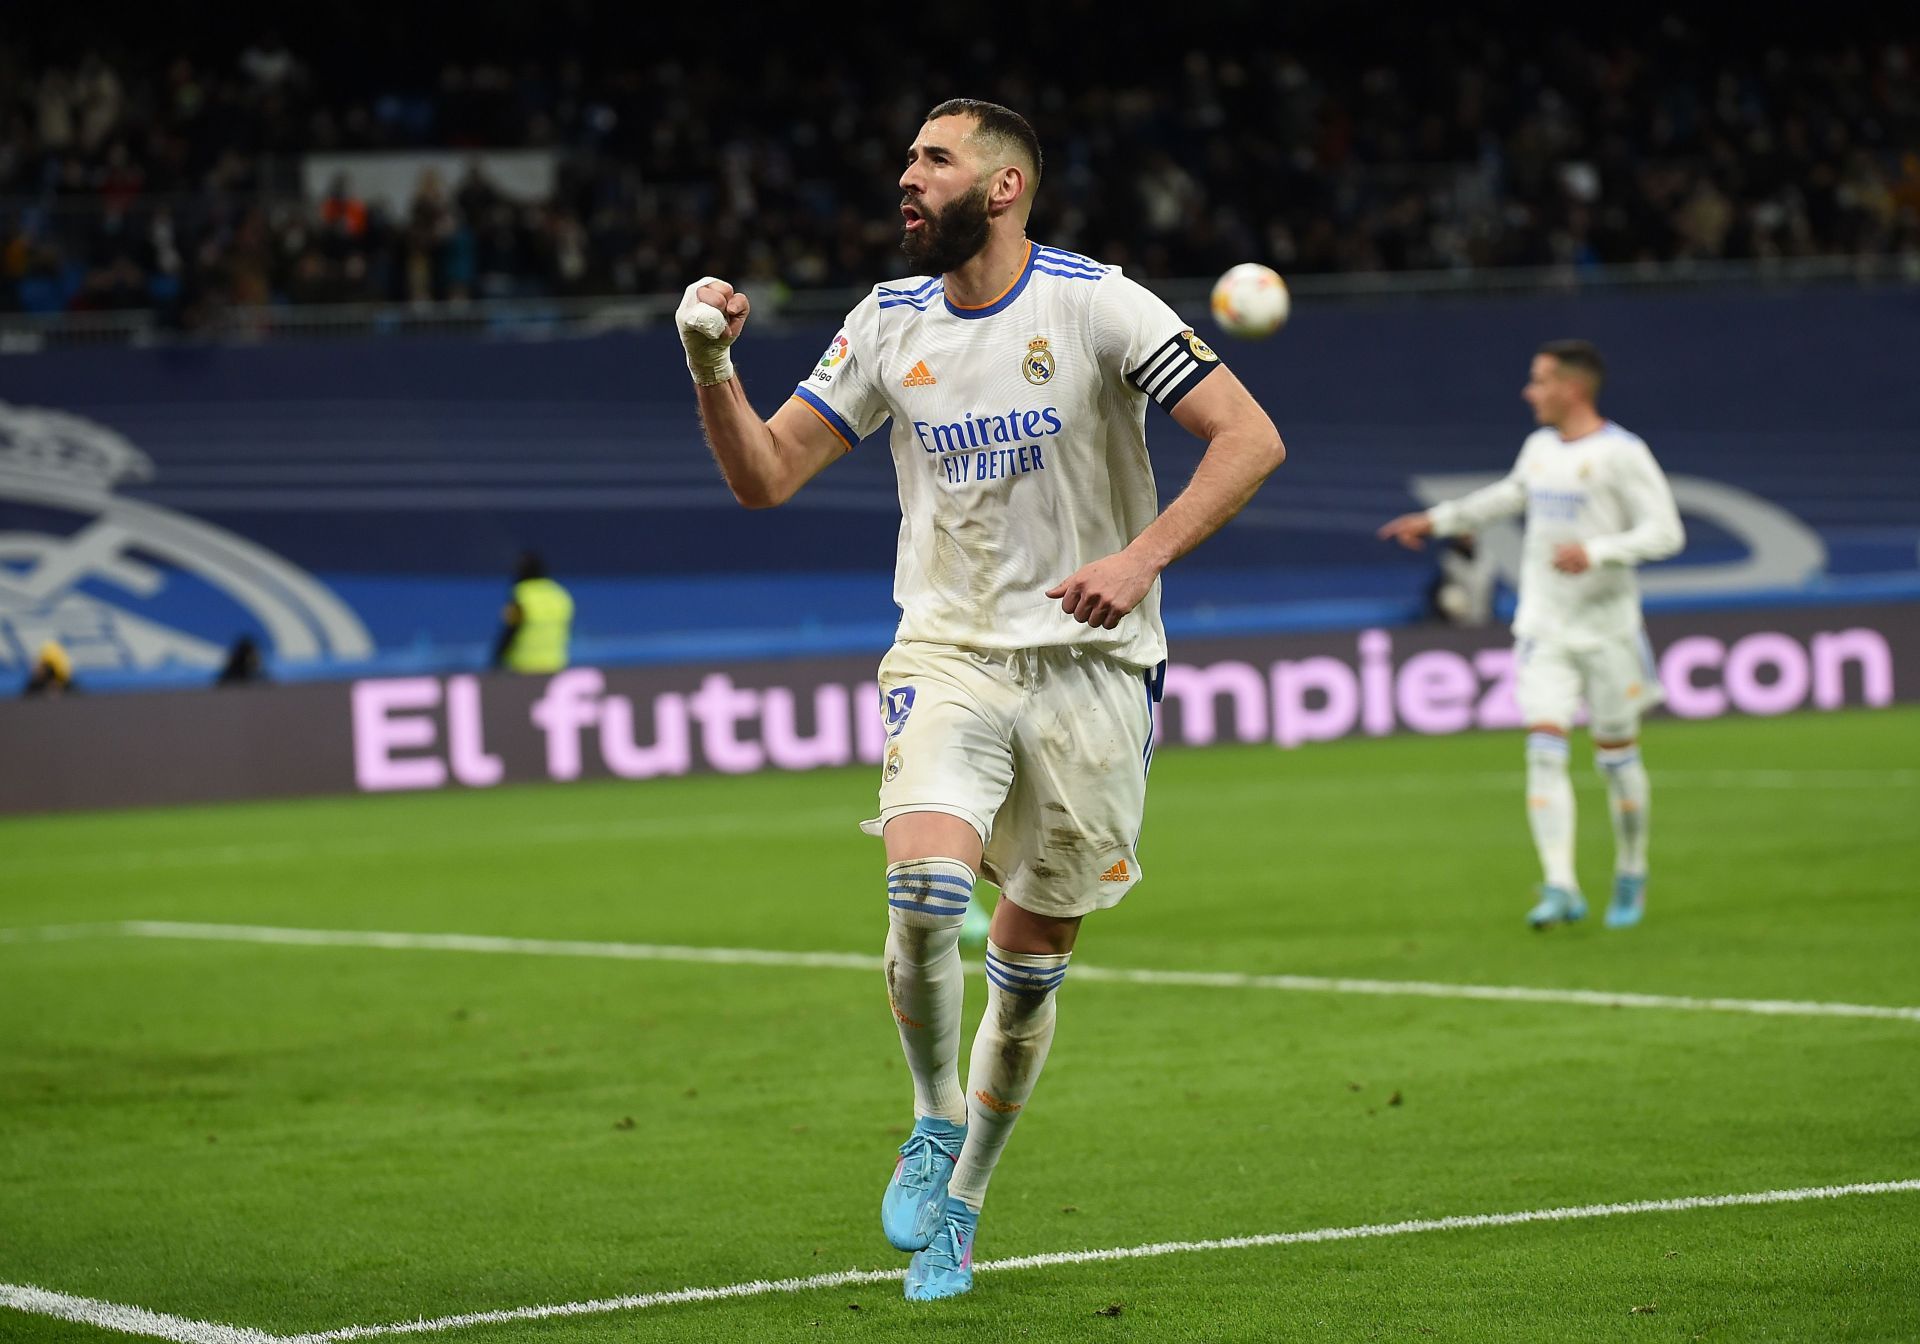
(1597, 505)
(1018, 693)
(534, 626)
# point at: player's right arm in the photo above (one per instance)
(765, 462)
(1504, 498)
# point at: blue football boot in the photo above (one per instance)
(945, 1267)
(911, 1209)
(1558, 905)
(1629, 901)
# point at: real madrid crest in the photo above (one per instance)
(1201, 350)
(1038, 364)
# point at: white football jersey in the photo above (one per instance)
(1604, 490)
(1020, 442)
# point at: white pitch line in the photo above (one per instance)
(1427, 989)
(133, 1320)
(470, 942)
(845, 1278)
(859, 961)
(127, 1320)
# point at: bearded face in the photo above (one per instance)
(949, 238)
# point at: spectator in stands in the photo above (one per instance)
(535, 625)
(1461, 143)
(51, 673)
(243, 664)
(343, 213)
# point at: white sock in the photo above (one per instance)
(926, 905)
(1631, 798)
(1008, 1053)
(1550, 808)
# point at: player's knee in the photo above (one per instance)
(928, 893)
(1546, 751)
(1611, 757)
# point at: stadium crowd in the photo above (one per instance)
(129, 183)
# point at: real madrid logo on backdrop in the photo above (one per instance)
(1201, 350)
(1038, 364)
(58, 583)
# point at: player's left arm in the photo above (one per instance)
(1243, 448)
(1655, 531)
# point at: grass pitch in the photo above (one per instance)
(307, 1138)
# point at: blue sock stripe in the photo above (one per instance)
(1610, 762)
(929, 882)
(958, 914)
(1038, 977)
(1026, 972)
(928, 899)
(1547, 742)
(998, 981)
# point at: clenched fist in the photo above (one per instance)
(710, 318)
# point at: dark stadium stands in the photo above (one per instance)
(172, 181)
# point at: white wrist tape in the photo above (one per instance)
(703, 331)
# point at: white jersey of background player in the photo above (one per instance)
(1018, 693)
(1597, 506)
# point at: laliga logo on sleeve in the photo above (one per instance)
(1038, 364)
(54, 462)
(837, 351)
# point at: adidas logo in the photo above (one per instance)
(1117, 873)
(919, 376)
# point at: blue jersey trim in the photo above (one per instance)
(915, 292)
(1013, 292)
(1061, 254)
(1060, 262)
(918, 305)
(835, 421)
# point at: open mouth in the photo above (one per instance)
(912, 216)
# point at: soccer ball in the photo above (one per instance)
(1251, 301)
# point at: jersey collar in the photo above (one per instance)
(1007, 296)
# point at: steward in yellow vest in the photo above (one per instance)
(535, 624)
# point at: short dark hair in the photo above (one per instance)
(1581, 357)
(529, 566)
(996, 122)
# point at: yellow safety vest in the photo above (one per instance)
(546, 614)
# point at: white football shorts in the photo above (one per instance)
(1044, 751)
(1617, 679)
